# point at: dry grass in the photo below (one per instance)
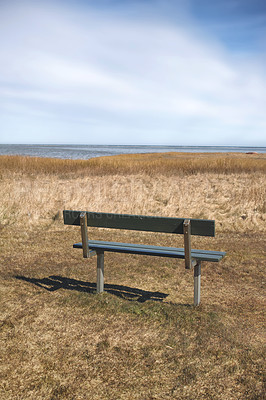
(236, 201)
(150, 163)
(141, 339)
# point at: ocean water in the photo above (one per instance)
(89, 151)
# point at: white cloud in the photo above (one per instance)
(130, 75)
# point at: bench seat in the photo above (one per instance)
(130, 248)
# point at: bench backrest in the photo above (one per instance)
(200, 227)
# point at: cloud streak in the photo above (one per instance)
(123, 79)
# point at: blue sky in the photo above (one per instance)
(183, 72)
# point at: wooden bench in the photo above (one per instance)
(187, 227)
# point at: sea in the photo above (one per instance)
(87, 151)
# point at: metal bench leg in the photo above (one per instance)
(197, 273)
(100, 271)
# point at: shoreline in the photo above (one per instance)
(84, 152)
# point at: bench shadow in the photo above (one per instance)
(55, 282)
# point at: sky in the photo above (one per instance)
(160, 72)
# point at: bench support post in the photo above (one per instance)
(84, 234)
(189, 261)
(100, 271)
(197, 275)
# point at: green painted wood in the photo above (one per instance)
(130, 248)
(141, 223)
(133, 245)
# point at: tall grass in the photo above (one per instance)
(229, 188)
(235, 201)
(154, 163)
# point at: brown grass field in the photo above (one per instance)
(142, 339)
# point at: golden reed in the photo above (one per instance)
(152, 163)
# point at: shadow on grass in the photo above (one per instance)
(55, 282)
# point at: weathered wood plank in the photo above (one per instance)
(187, 243)
(84, 234)
(141, 223)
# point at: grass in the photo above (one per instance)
(150, 163)
(61, 340)
(235, 200)
(142, 338)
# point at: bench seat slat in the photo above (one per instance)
(130, 248)
(211, 252)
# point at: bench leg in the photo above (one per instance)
(100, 271)
(197, 273)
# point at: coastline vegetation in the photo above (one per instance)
(149, 163)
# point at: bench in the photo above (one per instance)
(187, 227)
